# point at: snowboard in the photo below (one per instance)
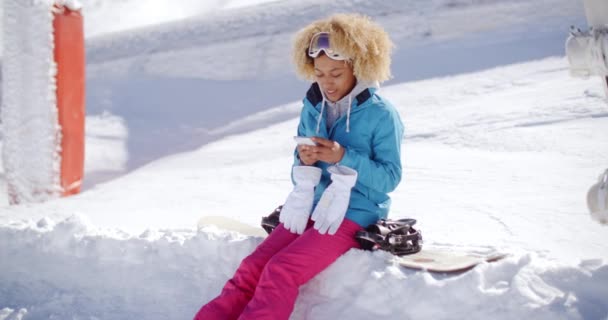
(447, 260)
(435, 259)
(231, 224)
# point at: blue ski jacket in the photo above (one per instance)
(372, 146)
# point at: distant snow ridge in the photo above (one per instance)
(278, 20)
(107, 16)
(70, 270)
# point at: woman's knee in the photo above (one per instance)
(281, 268)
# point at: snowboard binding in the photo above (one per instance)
(270, 222)
(395, 236)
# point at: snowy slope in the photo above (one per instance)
(191, 69)
(107, 16)
(494, 157)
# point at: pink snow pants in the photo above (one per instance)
(265, 286)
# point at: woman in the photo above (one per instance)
(340, 184)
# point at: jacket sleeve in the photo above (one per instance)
(382, 170)
(296, 156)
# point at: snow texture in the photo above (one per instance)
(68, 269)
(73, 5)
(31, 133)
(195, 118)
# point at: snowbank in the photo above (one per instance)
(71, 270)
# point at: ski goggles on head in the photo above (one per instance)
(320, 42)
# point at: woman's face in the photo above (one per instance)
(335, 77)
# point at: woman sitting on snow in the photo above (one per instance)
(341, 184)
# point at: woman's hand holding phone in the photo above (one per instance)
(325, 150)
(305, 150)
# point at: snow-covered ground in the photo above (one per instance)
(194, 118)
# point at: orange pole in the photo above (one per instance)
(70, 59)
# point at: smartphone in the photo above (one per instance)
(304, 141)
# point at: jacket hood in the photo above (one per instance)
(360, 93)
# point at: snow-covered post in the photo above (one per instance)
(587, 51)
(42, 99)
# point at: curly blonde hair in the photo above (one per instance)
(356, 36)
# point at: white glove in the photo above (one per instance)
(331, 209)
(297, 207)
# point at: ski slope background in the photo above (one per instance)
(194, 117)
